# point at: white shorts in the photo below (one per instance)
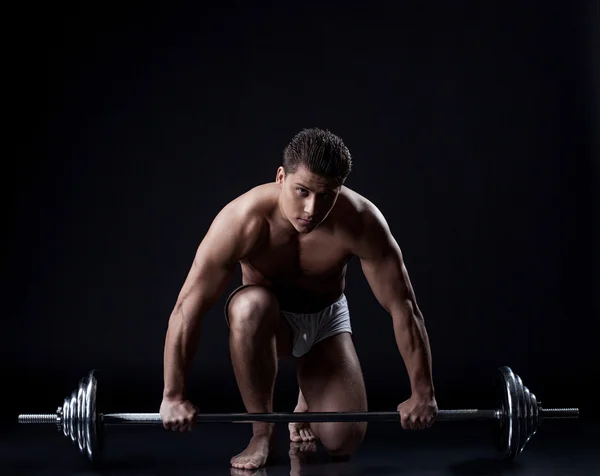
(309, 329)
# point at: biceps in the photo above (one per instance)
(205, 282)
(211, 270)
(388, 278)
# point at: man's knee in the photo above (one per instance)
(341, 440)
(251, 308)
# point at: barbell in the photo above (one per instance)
(516, 418)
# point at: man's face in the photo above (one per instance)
(306, 198)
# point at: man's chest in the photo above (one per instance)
(314, 256)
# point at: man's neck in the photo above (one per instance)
(281, 220)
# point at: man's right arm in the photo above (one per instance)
(230, 237)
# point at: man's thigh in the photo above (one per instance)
(283, 332)
(331, 380)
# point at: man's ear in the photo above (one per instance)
(280, 176)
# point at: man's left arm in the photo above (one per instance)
(384, 268)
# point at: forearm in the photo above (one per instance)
(181, 343)
(413, 344)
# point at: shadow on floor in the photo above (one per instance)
(483, 467)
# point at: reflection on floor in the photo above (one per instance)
(560, 448)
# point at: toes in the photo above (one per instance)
(244, 465)
(298, 434)
(295, 434)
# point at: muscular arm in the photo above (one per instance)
(385, 271)
(231, 235)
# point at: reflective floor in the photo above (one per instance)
(560, 448)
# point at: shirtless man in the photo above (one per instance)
(293, 239)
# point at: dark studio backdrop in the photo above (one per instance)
(473, 127)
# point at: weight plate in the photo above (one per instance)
(91, 416)
(507, 440)
(81, 416)
(65, 416)
(501, 431)
(521, 422)
(72, 415)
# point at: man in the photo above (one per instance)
(293, 239)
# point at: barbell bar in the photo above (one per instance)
(516, 419)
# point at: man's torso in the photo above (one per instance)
(306, 271)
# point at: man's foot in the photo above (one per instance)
(256, 453)
(301, 431)
(301, 455)
(302, 449)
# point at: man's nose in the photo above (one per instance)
(309, 207)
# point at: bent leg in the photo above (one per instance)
(258, 334)
(331, 380)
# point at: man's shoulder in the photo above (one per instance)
(255, 202)
(250, 209)
(356, 208)
(364, 223)
(237, 228)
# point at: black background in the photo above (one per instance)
(473, 127)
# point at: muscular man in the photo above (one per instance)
(293, 239)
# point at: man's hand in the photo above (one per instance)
(178, 414)
(417, 413)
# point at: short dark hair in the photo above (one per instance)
(321, 152)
